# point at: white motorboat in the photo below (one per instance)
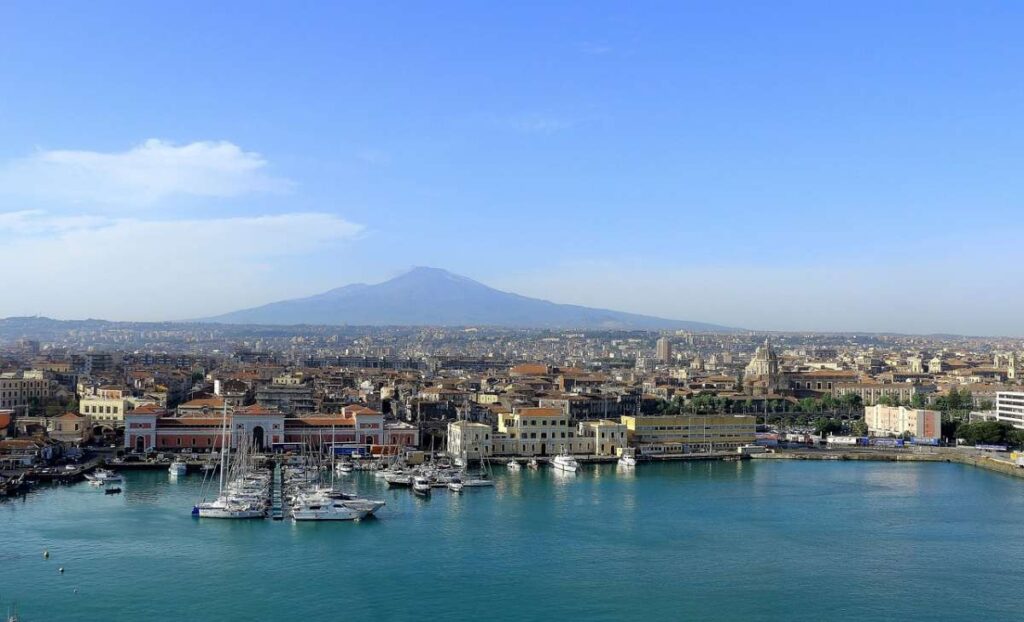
(421, 485)
(398, 480)
(178, 467)
(533, 464)
(565, 462)
(513, 465)
(627, 459)
(327, 509)
(344, 467)
(455, 484)
(104, 476)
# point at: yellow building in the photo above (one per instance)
(680, 434)
(541, 432)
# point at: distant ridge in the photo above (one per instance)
(435, 297)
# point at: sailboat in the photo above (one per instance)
(246, 494)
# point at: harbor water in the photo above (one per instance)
(785, 540)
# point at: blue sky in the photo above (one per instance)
(787, 166)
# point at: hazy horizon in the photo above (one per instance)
(811, 167)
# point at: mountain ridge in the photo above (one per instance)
(426, 296)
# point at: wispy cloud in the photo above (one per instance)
(591, 48)
(539, 124)
(142, 176)
(373, 156)
(165, 269)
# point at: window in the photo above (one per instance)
(543, 434)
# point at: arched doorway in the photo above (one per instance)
(257, 437)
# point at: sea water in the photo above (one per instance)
(761, 540)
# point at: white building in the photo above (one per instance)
(898, 420)
(1010, 408)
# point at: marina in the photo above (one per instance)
(707, 540)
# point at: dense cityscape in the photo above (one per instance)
(84, 388)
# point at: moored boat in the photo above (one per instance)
(565, 462)
(178, 467)
(421, 485)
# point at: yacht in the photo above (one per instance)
(326, 509)
(178, 467)
(565, 462)
(628, 458)
(513, 465)
(104, 476)
(398, 480)
(421, 485)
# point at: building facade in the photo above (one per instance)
(899, 420)
(1010, 408)
(682, 434)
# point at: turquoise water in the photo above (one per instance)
(709, 541)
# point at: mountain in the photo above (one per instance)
(434, 297)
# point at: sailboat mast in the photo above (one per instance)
(223, 443)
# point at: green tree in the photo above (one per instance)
(859, 427)
(824, 426)
(917, 400)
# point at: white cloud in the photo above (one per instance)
(143, 175)
(126, 268)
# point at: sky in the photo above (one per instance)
(825, 166)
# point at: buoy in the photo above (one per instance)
(76, 590)
(46, 554)
(61, 570)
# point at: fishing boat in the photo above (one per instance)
(178, 467)
(513, 465)
(421, 485)
(104, 476)
(565, 462)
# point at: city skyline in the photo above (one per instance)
(807, 168)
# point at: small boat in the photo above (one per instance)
(513, 465)
(112, 491)
(421, 486)
(565, 462)
(104, 475)
(328, 509)
(344, 467)
(398, 480)
(178, 467)
(533, 464)
(627, 459)
(455, 484)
